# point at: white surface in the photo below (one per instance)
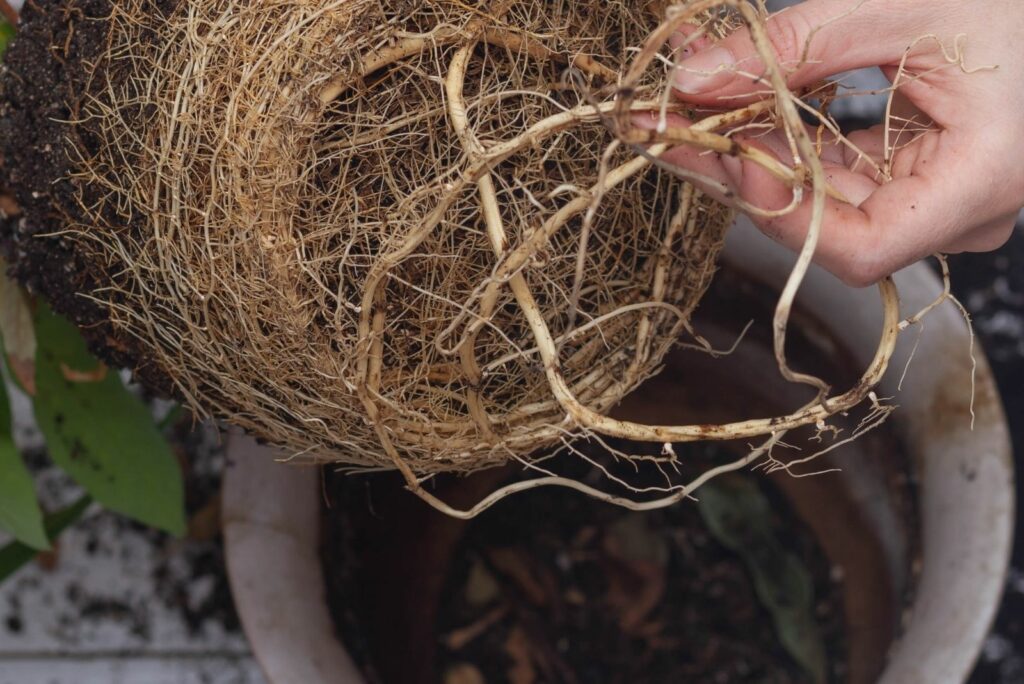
(185, 668)
(98, 618)
(116, 605)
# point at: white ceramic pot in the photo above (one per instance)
(965, 497)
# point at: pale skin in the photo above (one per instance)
(952, 180)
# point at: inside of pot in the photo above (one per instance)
(552, 586)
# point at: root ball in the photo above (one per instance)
(350, 226)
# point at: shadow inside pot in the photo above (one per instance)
(861, 515)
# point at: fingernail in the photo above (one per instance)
(704, 71)
(646, 121)
(734, 168)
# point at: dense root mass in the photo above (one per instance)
(426, 235)
(341, 224)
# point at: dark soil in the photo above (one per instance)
(47, 69)
(44, 73)
(581, 617)
(558, 587)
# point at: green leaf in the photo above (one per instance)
(739, 516)
(172, 417)
(6, 33)
(16, 555)
(19, 509)
(101, 434)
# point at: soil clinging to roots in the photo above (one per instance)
(314, 218)
(419, 234)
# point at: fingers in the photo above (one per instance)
(866, 152)
(882, 228)
(839, 247)
(811, 41)
(847, 240)
(936, 181)
(985, 238)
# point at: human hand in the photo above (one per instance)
(948, 177)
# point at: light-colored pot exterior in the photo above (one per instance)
(271, 520)
(965, 492)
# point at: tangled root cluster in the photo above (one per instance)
(363, 230)
(423, 234)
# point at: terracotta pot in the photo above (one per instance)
(964, 500)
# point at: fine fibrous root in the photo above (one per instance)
(425, 235)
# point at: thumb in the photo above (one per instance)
(810, 41)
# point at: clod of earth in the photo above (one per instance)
(412, 235)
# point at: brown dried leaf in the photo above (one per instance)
(463, 673)
(18, 332)
(575, 597)
(204, 525)
(634, 591)
(638, 559)
(97, 374)
(458, 639)
(8, 207)
(517, 646)
(515, 564)
(24, 372)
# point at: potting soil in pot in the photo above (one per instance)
(567, 589)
